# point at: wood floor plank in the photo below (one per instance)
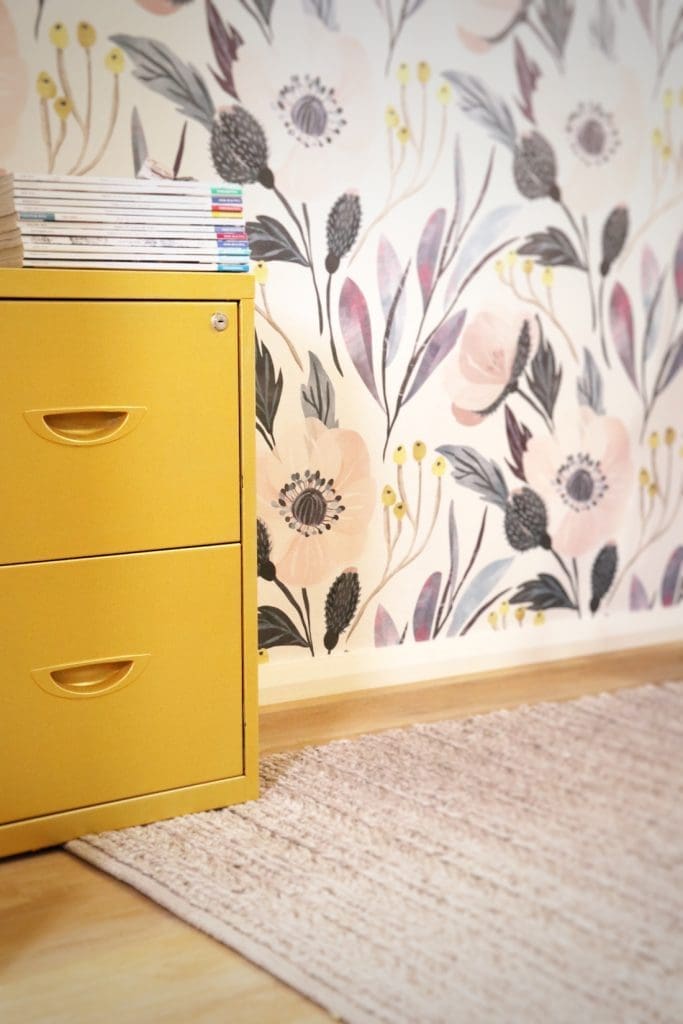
(77, 945)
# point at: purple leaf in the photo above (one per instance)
(423, 617)
(671, 364)
(428, 253)
(649, 276)
(389, 275)
(671, 581)
(637, 599)
(226, 41)
(621, 323)
(477, 592)
(678, 271)
(354, 320)
(386, 634)
(487, 231)
(528, 73)
(438, 347)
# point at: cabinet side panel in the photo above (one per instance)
(248, 494)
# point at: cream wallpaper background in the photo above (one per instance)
(467, 226)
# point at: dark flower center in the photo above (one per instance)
(591, 137)
(309, 115)
(309, 504)
(581, 482)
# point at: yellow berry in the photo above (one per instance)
(643, 478)
(263, 656)
(424, 72)
(548, 277)
(653, 440)
(444, 93)
(399, 510)
(391, 117)
(511, 258)
(400, 455)
(114, 61)
(493, 620)
(666, 152)
(668, 99)
(539, 618)
(653, 490)
(528, 266)
(261, 272)
(62, 107)
(504, 608)
(45, 86)
(59, 36)
(419, 451)
(670, 436)
(520, 612)
(439, 466)
(86, 34)
(388, 496)
(403, 73)
(500, 267)
(402, 134)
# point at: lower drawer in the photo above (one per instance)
(119, 676)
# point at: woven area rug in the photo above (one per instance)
(522, 866)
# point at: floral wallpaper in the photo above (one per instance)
(466, 221)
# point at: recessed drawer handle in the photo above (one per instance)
(86, 425)
(90, 678)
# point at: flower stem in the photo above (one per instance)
(110, 130)
(329, 323)
(295, 604)
(586, 259)
(563, 566)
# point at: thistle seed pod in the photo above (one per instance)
(343, 224)
(534, 168)
(265, 568)
(613, 237)
(526, 521)
(239, 149)
(340, 606)
(602, 574)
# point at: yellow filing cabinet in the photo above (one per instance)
(127, 550)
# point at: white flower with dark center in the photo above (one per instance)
(310, 111)
(584, 475)
(597, 126)
(593, 134)
(315, 500)
(313, 92)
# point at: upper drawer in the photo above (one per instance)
(119, 427)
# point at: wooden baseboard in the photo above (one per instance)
(300, 723)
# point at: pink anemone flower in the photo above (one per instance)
(316, 497)
(585, 476)
(493, 352)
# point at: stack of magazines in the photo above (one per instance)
(11, 249)
(128, 223)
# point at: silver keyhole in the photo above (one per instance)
(219, 321)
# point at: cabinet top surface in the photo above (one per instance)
(25, 283)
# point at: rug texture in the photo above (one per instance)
(523, 866)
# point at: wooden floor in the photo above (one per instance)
(78, 946)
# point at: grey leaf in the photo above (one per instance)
(270, 240)
(552, 248)
(477, 592)
(545, 591)
(325, 10)
(158, 67)
(265, 8)
(268, 388)
(589, 385)
(544, 377)
(477, 473)
(317, 397)
(603, 29)
(138, 141)
(556, 16)
(491, 112)
(276, 629)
